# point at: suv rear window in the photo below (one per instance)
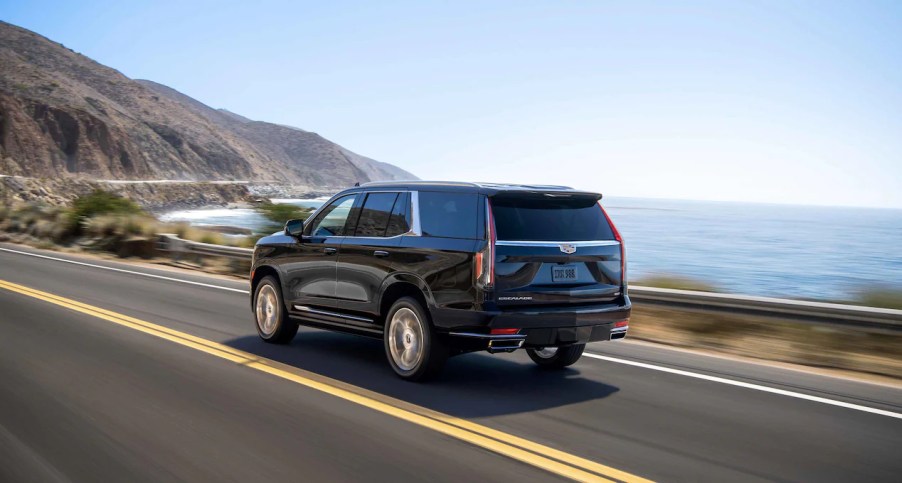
(540, 219)
(449, 215)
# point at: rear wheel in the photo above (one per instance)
(273, 324)
(412, 348)
(556, 357)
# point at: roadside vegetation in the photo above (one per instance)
(881, 297)
(100, 221)
(674, 282)
(106, 222)
(278, 214)
(857, 349)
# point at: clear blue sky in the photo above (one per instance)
(787, 102)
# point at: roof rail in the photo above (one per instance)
(470, 184)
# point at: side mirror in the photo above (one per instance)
(294, 228)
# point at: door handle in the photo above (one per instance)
(330, 251)
(380, 253)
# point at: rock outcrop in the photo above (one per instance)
(65, 115)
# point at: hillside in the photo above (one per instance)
(63, 114)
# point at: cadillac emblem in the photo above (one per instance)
(568, 248)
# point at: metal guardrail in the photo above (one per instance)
(179, 247)
(786, 309)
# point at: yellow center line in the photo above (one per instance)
(529, 452)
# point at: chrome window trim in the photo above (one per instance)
(415, 226)
(555, 244)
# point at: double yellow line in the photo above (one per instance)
(540, 456)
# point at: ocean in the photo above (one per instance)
(829, 253)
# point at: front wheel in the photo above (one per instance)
(412, 348)
(273, 324)
(556, 357)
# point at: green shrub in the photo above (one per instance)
(100, 202)
(278, 214)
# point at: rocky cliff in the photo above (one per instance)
(64, 115)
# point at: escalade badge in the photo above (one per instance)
(568, 248)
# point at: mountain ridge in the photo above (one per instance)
(63, 114)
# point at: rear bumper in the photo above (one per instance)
(469, 330)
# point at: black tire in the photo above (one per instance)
(562, 357)
(276, 327)
(430, 351)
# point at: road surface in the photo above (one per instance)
(112, 372)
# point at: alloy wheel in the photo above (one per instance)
(267, 310)
(406, 339)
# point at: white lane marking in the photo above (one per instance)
(121, 270)
(747, 385)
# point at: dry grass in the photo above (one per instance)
(849, 348)
(121, 226)
(881, 297)
(676, 282)
(124, 233)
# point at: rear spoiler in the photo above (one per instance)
(548, 194)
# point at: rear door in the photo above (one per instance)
(554, 250)
(367, 253)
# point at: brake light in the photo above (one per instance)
(484, 261)
(619, 238)
(504, 331)
(622, 323)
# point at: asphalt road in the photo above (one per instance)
(85, 399)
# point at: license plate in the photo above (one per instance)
(564, 273)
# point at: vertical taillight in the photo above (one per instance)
(484, 261)
(622, 246)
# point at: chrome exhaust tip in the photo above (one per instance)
(505, 345)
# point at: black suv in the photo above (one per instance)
(436, 269)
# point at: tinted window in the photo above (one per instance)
(525, 219)
(398, 223)
(375, 214)
(331, 221)
(451, 215)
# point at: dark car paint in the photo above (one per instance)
(442, 269)
(522, 274)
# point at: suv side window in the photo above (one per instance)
(449, 215)
(398, 222)
(375, 214)
(331, 221)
